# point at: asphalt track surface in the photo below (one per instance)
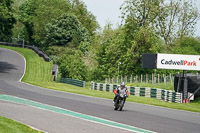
(151, 118)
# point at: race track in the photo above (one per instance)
(147, 117)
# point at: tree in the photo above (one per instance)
(177, 19)
(87, 19)
(35, 14)
(169, 19)
(141, 11)
(64, 30)
(7, 19)
(26, 15)
(166, 23)
(137, 14)
(107, 52)
(16, 4)
(45, 13)
(114, 50)
(146, 41)
(187, 18)
(187, 45)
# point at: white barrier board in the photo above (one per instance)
(177, 61)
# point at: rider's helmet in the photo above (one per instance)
(122, 85)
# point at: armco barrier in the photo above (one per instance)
(165, 95)
(55, 71)
(76, 82)
(35, 49)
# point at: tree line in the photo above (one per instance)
(72, 37)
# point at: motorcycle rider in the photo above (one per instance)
(122, 86)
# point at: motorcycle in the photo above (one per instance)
(120, 99)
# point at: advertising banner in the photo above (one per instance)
(179, 62)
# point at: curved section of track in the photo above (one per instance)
(138, 115)
(12, 65)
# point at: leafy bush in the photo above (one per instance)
(72, 66)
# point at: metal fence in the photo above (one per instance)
(34, 48)
(142, 78)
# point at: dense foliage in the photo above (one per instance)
(35, 14)
(70, 34)
(72, 66)
(7, 19)
(66, 29)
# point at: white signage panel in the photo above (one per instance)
(179, 62)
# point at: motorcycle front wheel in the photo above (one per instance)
(116, 104)
(121, 104)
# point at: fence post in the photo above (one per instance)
(164, 77)
(23, 43)
(136, 79)
(170, 78)
(98, 86)
(84, 84)
(104, 87)
(146, 78)
(111, 88)
(92, 85)
(131, 79)
(155, 79)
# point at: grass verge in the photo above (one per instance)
(8, 126)
(44, 80)
(166, 86)
(37, 69)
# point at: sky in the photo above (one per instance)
(105, 10)
(109, 11)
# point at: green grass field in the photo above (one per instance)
(10, 126)
(35, 65)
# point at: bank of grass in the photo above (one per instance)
(34, 77)
(37, 69)
(10, 126)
